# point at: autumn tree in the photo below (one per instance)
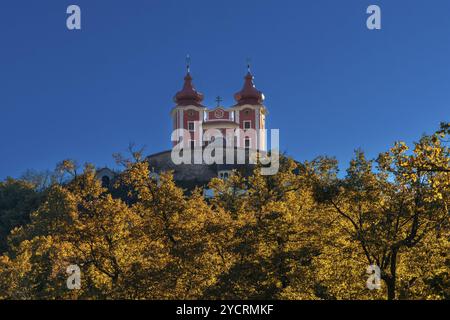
(178, 229)
(395, 208)
(271, 244)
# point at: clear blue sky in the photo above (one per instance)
(331, 85)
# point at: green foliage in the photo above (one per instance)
(17, 199)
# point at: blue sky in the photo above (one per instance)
(331, 85)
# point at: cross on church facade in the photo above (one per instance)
(219, 100)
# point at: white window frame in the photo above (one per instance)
(193, 126)
(250, 124)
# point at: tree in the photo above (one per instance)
(272, 235)
(396, 208)
(79, 224)
(17, 200)
(177, 229)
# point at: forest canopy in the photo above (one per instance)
(304, 233)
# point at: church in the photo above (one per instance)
(248, 113)
(246, 119)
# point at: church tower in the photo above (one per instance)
(250, 113)
(188, 112)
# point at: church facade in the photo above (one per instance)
(248, 113)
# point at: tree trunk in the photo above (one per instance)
(390, 284)
(391, 281)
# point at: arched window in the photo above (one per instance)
(106, 182)
(247, 143)
(224, 175)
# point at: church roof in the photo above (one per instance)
(188, 95)
(249, 94)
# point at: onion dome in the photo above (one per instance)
(188, 95)
(249, 94)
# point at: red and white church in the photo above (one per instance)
(249, 112)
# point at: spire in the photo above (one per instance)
(188, 63)
(188, 95)
(249, 94)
